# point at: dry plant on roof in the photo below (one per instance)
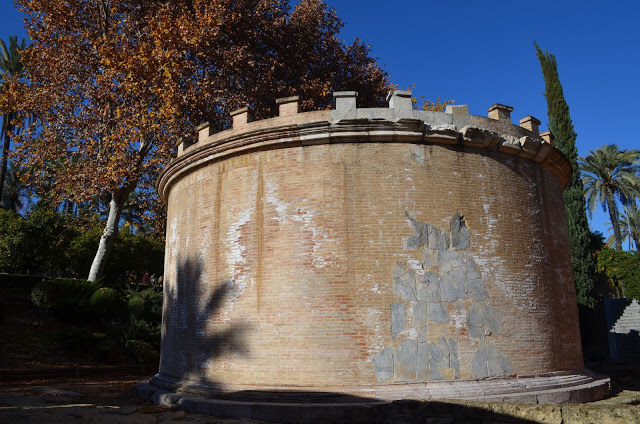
(113, 84)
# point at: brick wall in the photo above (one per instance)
(281, 257)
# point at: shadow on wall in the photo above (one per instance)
(189, 344)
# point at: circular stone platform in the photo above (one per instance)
(376, 405)
(369, 254)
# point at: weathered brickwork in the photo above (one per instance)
(359, 248)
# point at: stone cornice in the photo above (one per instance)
(314, 128)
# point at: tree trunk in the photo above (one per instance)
(118, 198)
(7, 129)
(613, 215)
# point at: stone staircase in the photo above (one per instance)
(627, 332)
(629, 320)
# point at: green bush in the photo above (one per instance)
(83, 339)
(82, 250)
(103, 346)
(143, 352)
(16, 289)
(18, 281)
(43, 296)
(135, 306)
(36, 244)
(67, 298)
(77, 339)
(106, 303)
(619, 272)
(146, 304)
(132, 256)
(49, 243)
(139, 329)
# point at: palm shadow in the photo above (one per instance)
(188, 343)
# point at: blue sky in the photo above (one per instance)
(481, 53)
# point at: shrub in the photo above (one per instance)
(16, 289)
(139, 329)
(143, 352)
(45, 242)
(103, 346)
(106, 303)
(67, 298)
(82, 339)
(12, 234)
(36, 244)
(132, 256)
(621, 271)
(77, 339)
(42, 296)
(146, 304)
(18, 281)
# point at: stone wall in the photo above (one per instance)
(355, 249)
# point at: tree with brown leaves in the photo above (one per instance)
(114, 83)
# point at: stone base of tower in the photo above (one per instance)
(370, 404)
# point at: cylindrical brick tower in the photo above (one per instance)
(383, 253)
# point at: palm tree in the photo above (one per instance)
(15, 192)
(609, 174)
(10, 66)
(629, 221)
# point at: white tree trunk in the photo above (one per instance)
(109, 234)
(118, 199)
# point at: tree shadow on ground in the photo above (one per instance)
(188, 343)
(286, 407)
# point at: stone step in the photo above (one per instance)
(326, 408)
(629, 320)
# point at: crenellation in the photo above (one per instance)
(182, 144)
(457, 110)
(203, 132)
(241, 117)
(438, 127)
(460, 115)
(530, 123)
(345, 105)
(401, 104)
(289, 106)
(500, 112)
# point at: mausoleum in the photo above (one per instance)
(379, 253)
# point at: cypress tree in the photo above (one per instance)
(564, 138)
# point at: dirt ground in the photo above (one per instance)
(87, 400)
(28, 343)
(112, 400)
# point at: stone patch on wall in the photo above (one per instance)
(444, 287)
